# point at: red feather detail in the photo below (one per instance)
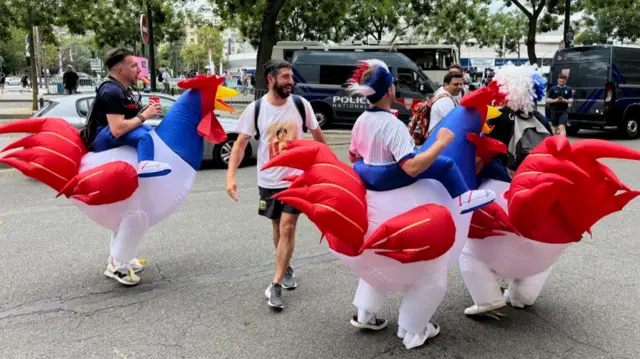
(499, 98)
(420, 234)
(561, 189)
(328, 192)
(109, 183)
(489, 219)
(486, 147)
(357, 73)
(51, 155)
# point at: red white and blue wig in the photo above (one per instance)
(378, 84)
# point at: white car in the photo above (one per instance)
(74, 109)
(13, 81)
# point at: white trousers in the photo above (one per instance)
(126, 242)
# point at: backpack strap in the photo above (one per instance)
(301, 110)
(256, 114)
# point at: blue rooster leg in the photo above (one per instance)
(445, 171)
(392, 176)
(138, 138)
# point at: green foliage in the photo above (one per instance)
(298, 19)
(366, 18)
(512, 27)
(117, 22)
(459, 22)
(196, 54)
(611, 19)
(12, 50)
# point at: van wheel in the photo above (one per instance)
(630, 128)
(323, 116)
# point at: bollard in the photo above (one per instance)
(41, 103)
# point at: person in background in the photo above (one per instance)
(559, 98)
(445, 98)
(70, 81)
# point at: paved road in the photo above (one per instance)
(209, 263)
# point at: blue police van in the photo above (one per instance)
(320, 77)
(606, 84)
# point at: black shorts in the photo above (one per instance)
(559, 118)
(273, 208)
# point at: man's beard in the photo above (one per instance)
(280, 90)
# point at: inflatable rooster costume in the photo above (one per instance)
(558, 191)
(398, 233)
(106, 186)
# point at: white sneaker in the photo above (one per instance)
(472, 200)
(153, 169)
(483, 308)
(125, 277)
(135, 264)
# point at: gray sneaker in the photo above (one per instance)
(289, 280)
(274, 293)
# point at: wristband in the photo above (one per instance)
(142, 119)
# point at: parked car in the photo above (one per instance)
(74, 109)
(13, 81)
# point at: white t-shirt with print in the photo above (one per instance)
(379, 138)
(279, 125)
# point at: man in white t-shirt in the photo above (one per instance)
(279, 123)
(451, 88)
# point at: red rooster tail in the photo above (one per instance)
(561, 189)
(52, 154)
(328, 192)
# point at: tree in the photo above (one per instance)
(542, 16)
(196, 54)
(506, 32)
(611, 19)
(13, 51)
(27, 15)
(366, 18)
(461, 22)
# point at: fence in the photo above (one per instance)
(247, 94)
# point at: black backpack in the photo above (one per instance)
(299, 105)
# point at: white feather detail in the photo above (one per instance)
(355, 88)
(376, 62)
(517, 83)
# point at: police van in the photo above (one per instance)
(321, 77)
(606, 81)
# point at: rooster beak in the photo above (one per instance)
(492, 113)
(224, 93)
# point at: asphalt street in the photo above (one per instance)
(201, 294)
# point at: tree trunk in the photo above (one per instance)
(267, 40)
(531, 41)
(34, 75)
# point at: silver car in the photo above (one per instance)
(74, 109)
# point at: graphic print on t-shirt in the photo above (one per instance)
(280, 134)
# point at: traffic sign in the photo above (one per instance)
(144, 29)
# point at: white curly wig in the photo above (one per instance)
(522, 86)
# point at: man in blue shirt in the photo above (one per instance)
(116, 116)
(559, 98)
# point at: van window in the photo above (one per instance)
(626, 67)
(410, 80)
(335, 75)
